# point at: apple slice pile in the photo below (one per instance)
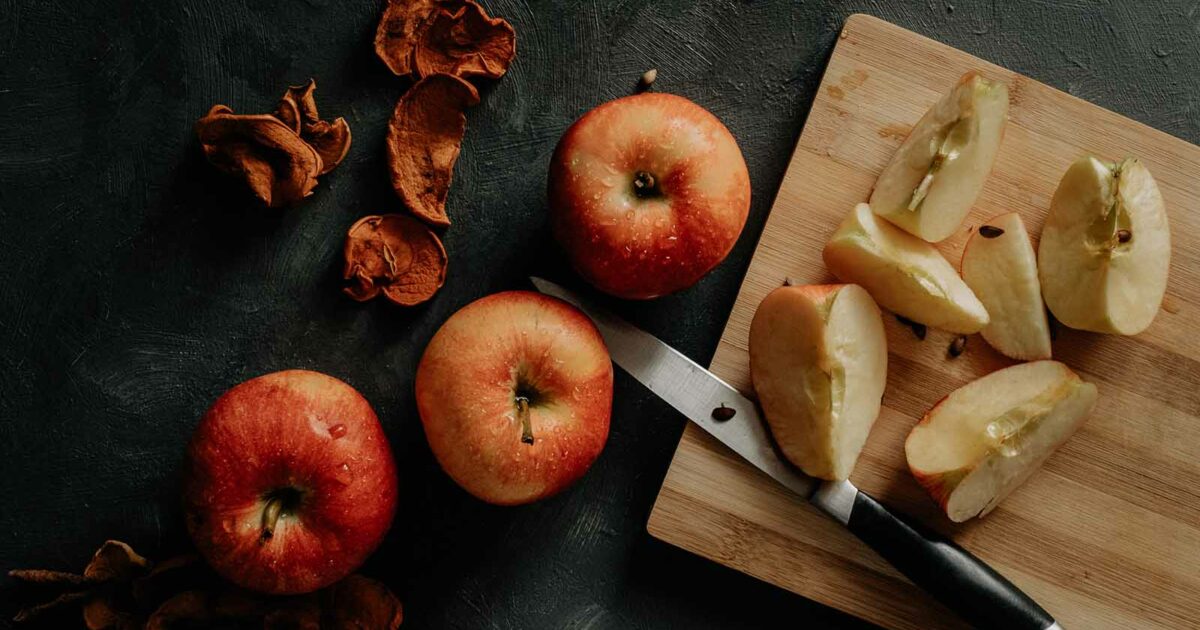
(818, 356)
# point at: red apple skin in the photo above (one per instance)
(638, 247)
(298, 430)
(471, 373)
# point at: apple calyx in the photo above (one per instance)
(645, 185)
(523, 416)
(279, 502)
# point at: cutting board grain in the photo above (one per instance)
(1107, 534)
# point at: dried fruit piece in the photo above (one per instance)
(101, 590)
(298, 109)
(465, 42)
(359, 602)
(424, 138)
(400, 29)
(396, 255)
(278, 166)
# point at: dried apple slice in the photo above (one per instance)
(465, 42)
(1106, 247)
(903, 273)
(928, 187)
(987, 437)
(998, 264)
(395, 255)
(277, 165)
(424, 138)
(818, 360)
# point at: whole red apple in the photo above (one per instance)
(647, 194)
(515, 391)
(289, 482)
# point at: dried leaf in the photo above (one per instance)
(465, 42)
(396, 255)
(115, 560)
(278, 166)
(400, 29)
(360, 603)
(423, 142)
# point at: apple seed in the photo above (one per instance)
(958, 346)
(723, 413)
(1123, 236)
(990, 231)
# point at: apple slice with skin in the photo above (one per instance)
(818, 359)
(903, 273)
(933, 179)
(999, 265)
(1106, 247)
(987, 437)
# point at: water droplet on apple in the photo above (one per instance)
(342, 475)
(337, 431)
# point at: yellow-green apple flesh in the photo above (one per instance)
(934, 177)
(818, 361)
(1105, 248)
(515, 391)
(904, 274)
(999, 265)
(647, 194)
(987, 437)
(289, 482)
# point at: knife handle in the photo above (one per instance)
(957, 579)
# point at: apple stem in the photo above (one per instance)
(523, 416)
(270, 516)
(644, 184)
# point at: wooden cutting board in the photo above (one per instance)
(1107, 534)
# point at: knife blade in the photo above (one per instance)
(951, 574)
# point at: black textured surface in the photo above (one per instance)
(138, 284)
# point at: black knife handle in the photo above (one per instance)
(950, 573)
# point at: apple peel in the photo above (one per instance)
(424, 139)
(395, 255)
(466, 43)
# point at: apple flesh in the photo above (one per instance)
(818, 360)
(515, 392)
(1106, 247)
(986, 438)
(905, 274)
(289, 482)
(647, 194)
(999, 265)
(928, 187)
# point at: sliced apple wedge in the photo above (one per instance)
(999, 265)
(987, 437)
(933, 179)
(818, 359)
(903, 273)
(1106, 247)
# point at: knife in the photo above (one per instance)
(964, 583)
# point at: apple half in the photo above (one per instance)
(933, 179)
(999, 265)
(1106, 247)
(987, 437)
(903, 273)
(818, 360)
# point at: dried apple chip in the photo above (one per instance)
(360, 602)
(278, 166)
(465, 42)
(424, 138)
(298, 110)
(399, 31)
(396, 255)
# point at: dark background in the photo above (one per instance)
(138, 284)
